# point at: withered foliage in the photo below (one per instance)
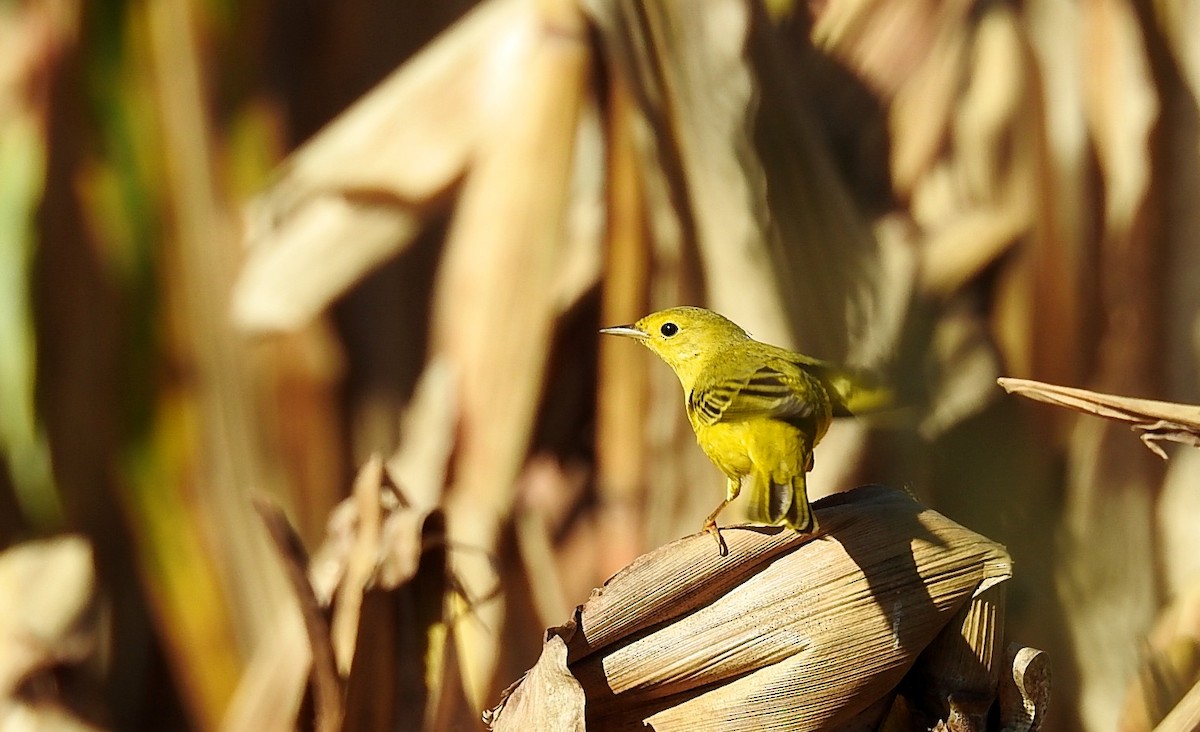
(204, 316)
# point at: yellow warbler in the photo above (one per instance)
(757, 410)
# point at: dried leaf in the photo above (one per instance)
(46, 592)
(1121, 105)
(398, 676)
(967, 363)
(495, 303)
(957, 676)
(381, 562)
(1179, 541)
(622, 387)
(547, 698)
(750, 177)
(359, 191)
(327, 686)
(920, 113)
(1175, 17)
(427, 430)
(1112, 598)
(1024, 689)
(1185, 717)
(1155, 421)
(788, 631)
(1054, 278)
(361, 561)
(274, 681)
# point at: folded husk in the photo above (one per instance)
(787, 632)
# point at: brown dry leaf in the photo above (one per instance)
(1050, 284)
(1177, 509)
(751, 179)
(328, 694)
(46, 592)
(1106, 543)
(989, 201)
(1121, 106)
(956, 80)
(1175, 18)
(976, 200)
(788, 631)
(1155, 421)
(1169, 670)
(495, 304)
(967, 362)
(361, 560)
(1024, 694)
(958, 674)
(49, 632)
(670, 507)
(686, 69)
(621, 383)
(399, 674)
(548, 697)
(359, 191)
(912, 56)
(382, 559)
(1185, 717)
(427, 429)
(921, 109)
(271, 689)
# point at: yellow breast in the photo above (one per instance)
(773, 446)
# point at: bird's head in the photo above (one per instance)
(684, 337)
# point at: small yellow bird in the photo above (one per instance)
(757, 410)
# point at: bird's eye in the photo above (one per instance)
(669, 329)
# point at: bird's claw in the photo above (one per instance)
(710, 526)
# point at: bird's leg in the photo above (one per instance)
(710, 523)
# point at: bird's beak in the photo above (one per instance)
(629, 331)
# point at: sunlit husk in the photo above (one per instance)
(787, 632)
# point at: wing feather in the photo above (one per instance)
(774, 391)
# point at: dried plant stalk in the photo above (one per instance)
(328, 697)
(621, 384)
(495, 303)
(752, 181)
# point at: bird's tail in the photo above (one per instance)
(781, 502)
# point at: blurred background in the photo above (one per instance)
(229, 275)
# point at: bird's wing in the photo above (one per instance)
(775, 390)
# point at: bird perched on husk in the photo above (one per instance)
(758, 410)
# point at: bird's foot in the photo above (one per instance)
(710, 526)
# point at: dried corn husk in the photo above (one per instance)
(359, 191)
(787, 632)
(1154, 421)
(751, 176)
